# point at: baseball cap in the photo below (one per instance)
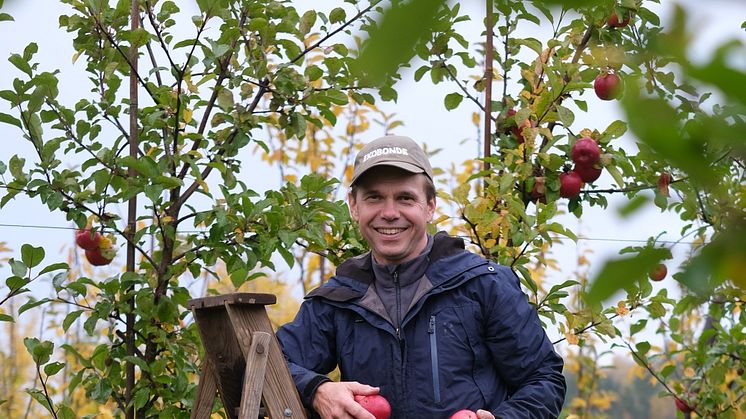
(392, 150)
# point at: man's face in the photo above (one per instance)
(392, 210)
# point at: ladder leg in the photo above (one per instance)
(206, 391)
(253, 382)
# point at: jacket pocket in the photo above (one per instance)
(434, 367)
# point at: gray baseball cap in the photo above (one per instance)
(392, 150)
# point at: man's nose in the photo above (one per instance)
(389, 210)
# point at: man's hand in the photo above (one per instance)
(483, 414)
(335, 400)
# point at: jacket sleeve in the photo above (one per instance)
(308, 345)
(523, 353)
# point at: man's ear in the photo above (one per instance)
(352, 203)
(431, 208)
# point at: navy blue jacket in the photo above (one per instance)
(470, 340)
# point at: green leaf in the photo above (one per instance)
(4, 17)
(70, 319)
(615, 130)
(21, 64)
(31, 256)
(392, 42)
(53, 368)
(6, 318)
(9, 119)
(18, 268)
(306, 22)
(16, 282)
(619, 273)
(337, 15)
(452, 100)
(54, 267)
(32, 303)
(565, 115)
(636, 327)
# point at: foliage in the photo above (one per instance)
(262, 78)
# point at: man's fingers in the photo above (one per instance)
(483, 414)
(363, 389)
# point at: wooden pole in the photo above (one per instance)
(488, 87)
(132, 215)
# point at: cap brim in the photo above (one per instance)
(409, 167)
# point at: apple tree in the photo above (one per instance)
(178, 96)
(686, 120)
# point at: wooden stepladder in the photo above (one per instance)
(243, 360)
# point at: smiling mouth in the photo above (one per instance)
(390, 231)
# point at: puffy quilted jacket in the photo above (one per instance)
(470, 340)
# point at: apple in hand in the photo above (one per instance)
(87, 239)
(375, 404)
(570, 184)
(607, 86)
(658, 273)
(586, 152)
(464, 414)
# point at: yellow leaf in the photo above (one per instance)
(187, 115)
(441, 219)
(621, 308)
(77, 55)
(476, 118)
(204, 186)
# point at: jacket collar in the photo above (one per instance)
(359, 273)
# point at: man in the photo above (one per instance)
(432, 327)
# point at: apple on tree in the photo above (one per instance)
(570, 184)
(102, 254)
(614, 22)
(683, 406)
(587, 173)
(539, 190)
(608, 85)
(586, 152)
(658, 272)
(87, 239)
(518, 130)
(663, 181)
(376, 404)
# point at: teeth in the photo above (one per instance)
(390, 231)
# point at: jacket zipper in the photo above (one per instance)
(434, 358)
(397, 287)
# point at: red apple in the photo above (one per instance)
(607, 86)
(518, 131)
(614, 22)
(587, 173)
(663, 181)
(658, 272)
(539, 191)
(87, 240)
(683, 406)
(570, 184)
(586, 152)
(464, 414)
(95, 257)
(376, 404)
